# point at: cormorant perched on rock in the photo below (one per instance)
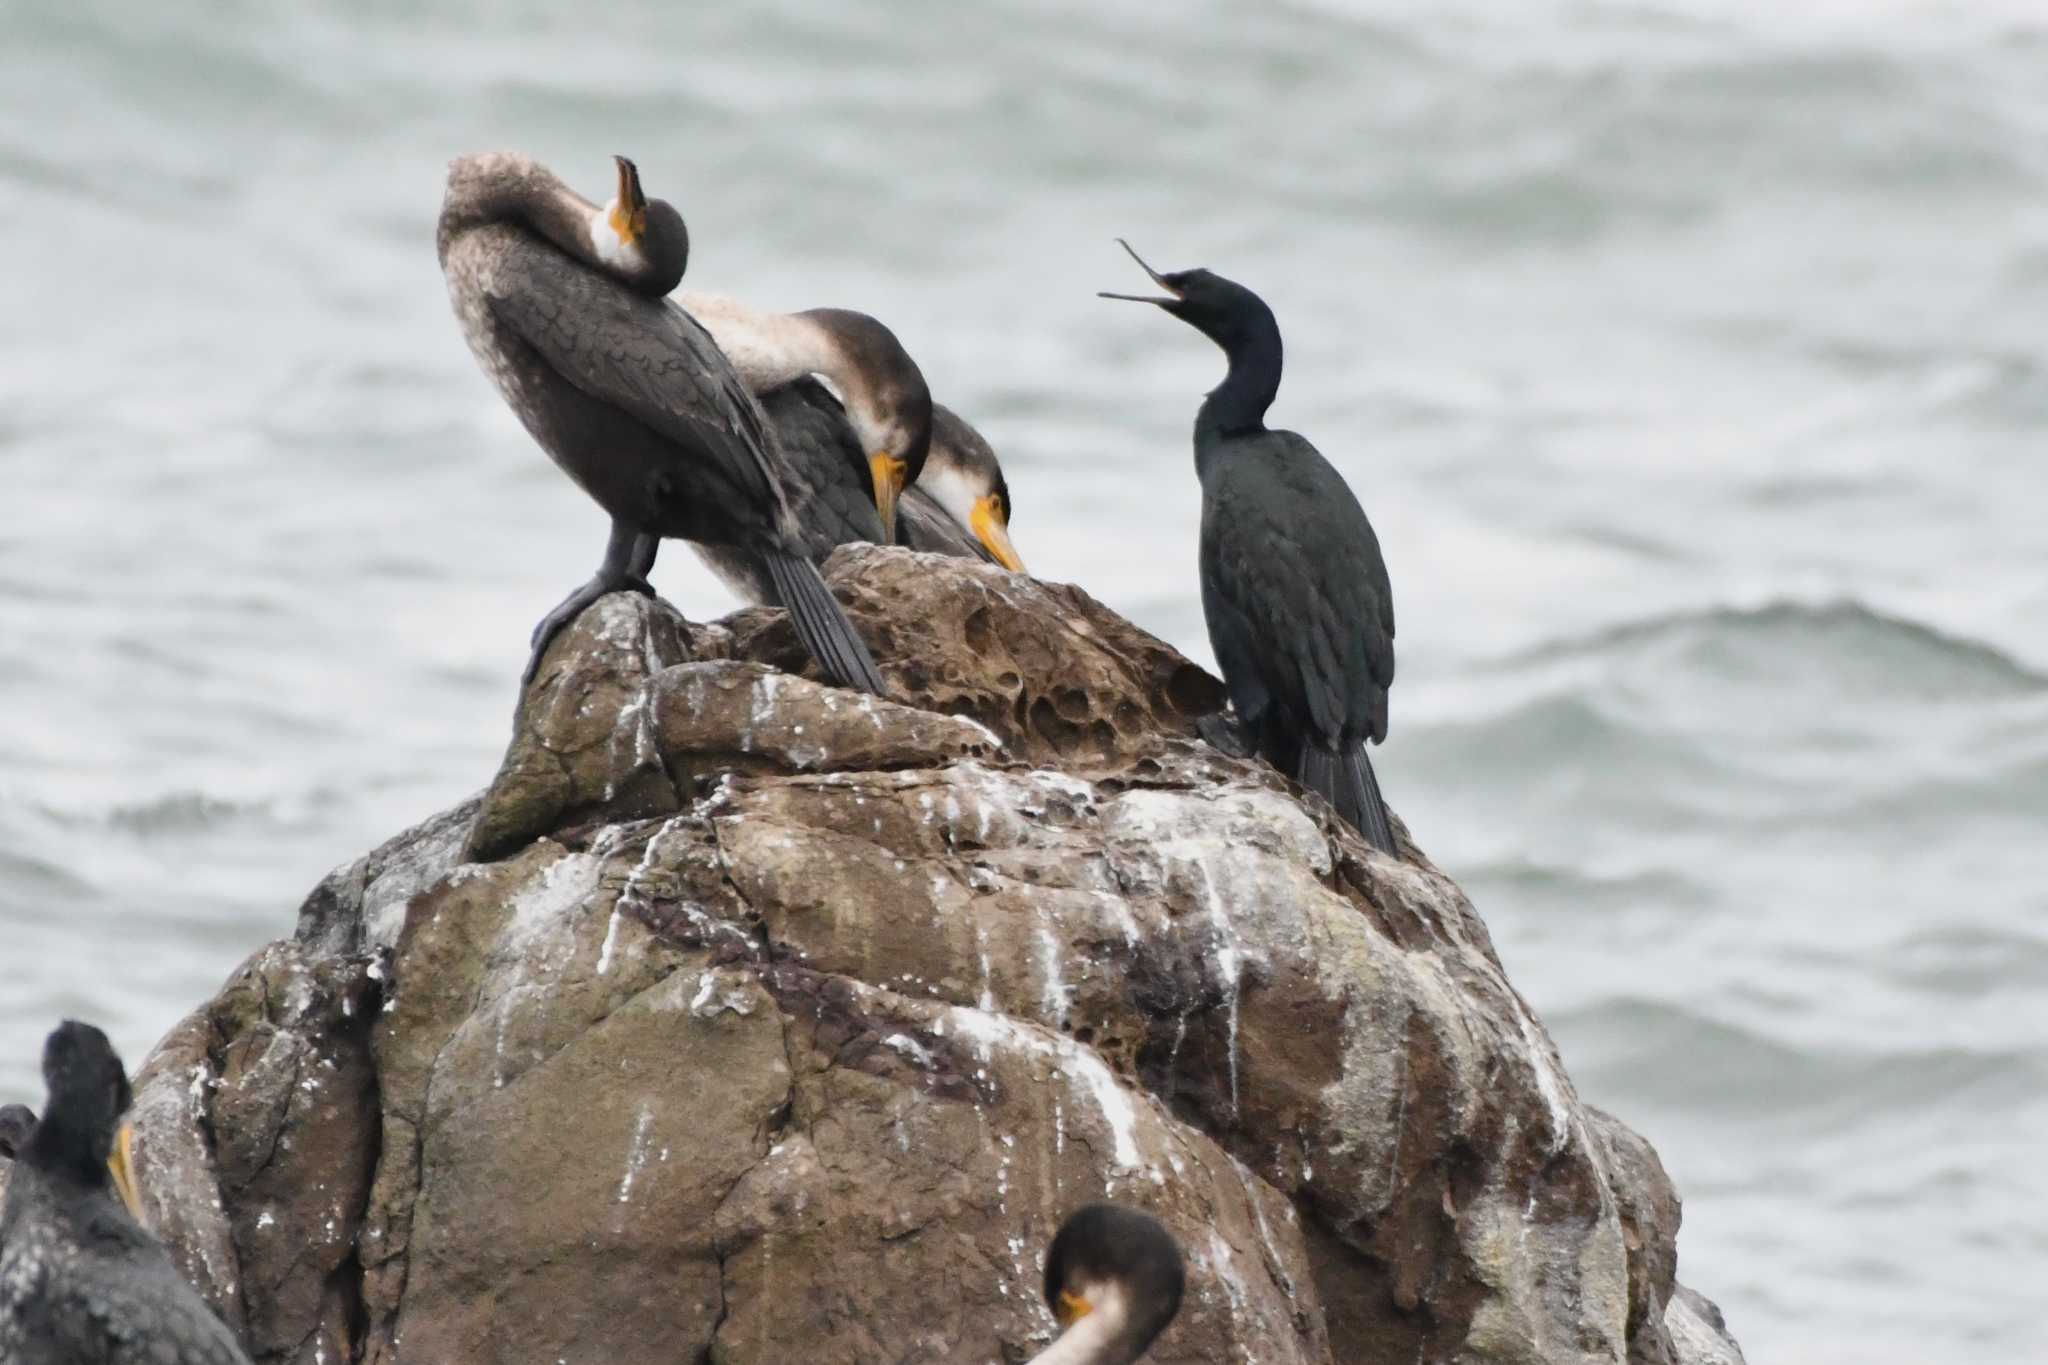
(960, 505)
(564, 304)
(1300, 613)
(1113, 1278)
(81, 1281)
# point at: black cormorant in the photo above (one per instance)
(960, 505)
(1300, 613)
(81, 1281)
(1114, 1280)
(564, 304)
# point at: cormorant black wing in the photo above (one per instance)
(646, 357)
(1295, 589)
(831, 489)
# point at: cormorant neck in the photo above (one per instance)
(1239, 403)
(64, 1146)
(768, 349)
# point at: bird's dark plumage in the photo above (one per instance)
(627, 393)
(81, 1282)
(1299, 608)
(827, 479)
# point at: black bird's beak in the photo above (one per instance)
(1168, 285)
(630, 195)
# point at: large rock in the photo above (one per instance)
(786, 1024)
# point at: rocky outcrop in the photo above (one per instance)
(744, 1019)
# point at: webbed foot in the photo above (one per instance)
(627, 557)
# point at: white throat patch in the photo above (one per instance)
(950, 489)
(611, 248)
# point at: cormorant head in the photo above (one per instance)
(1223, 310)
(1116, 1272)
(964, 477)
(644, 240)
(886, 400)
(15, 1122)
(81, 1136)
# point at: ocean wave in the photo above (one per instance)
(1558, 887)
(1690, 1059)
(1848, 639)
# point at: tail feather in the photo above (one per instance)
(1345, 778)
(820, 624)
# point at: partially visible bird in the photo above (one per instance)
(564, 303)
(81, 1281)
(1300, 612)
(960, 505)
(1113, 1279)
(15, 1122)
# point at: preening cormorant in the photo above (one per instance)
(1300, 613)
(564, 304)
(81, 1281)
(1113, 1279)
(883, 407)
(960, 505)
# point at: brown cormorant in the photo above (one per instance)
(564, 304)
(81, 1281)
(960, 504)
(1300, 613)
(1113, 1279)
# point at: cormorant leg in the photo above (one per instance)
(644, 551)
(618, 573)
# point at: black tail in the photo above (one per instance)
(1346, 779)
(820, 624)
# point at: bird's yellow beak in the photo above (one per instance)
(121, 1166)
(629, 214)
(1072, 1308)
(992, 528)
(890, 475)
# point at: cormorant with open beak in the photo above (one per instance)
(1113, 1279)
(565, 305)
(81, 1281)
(960, 505)
(1300, 612)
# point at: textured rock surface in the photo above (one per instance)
(787, 1024)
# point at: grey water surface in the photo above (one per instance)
(1691, 358)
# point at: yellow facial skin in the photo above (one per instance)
(890, 475)
(1072, 1308)
(121, 1166)
(992, 528)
